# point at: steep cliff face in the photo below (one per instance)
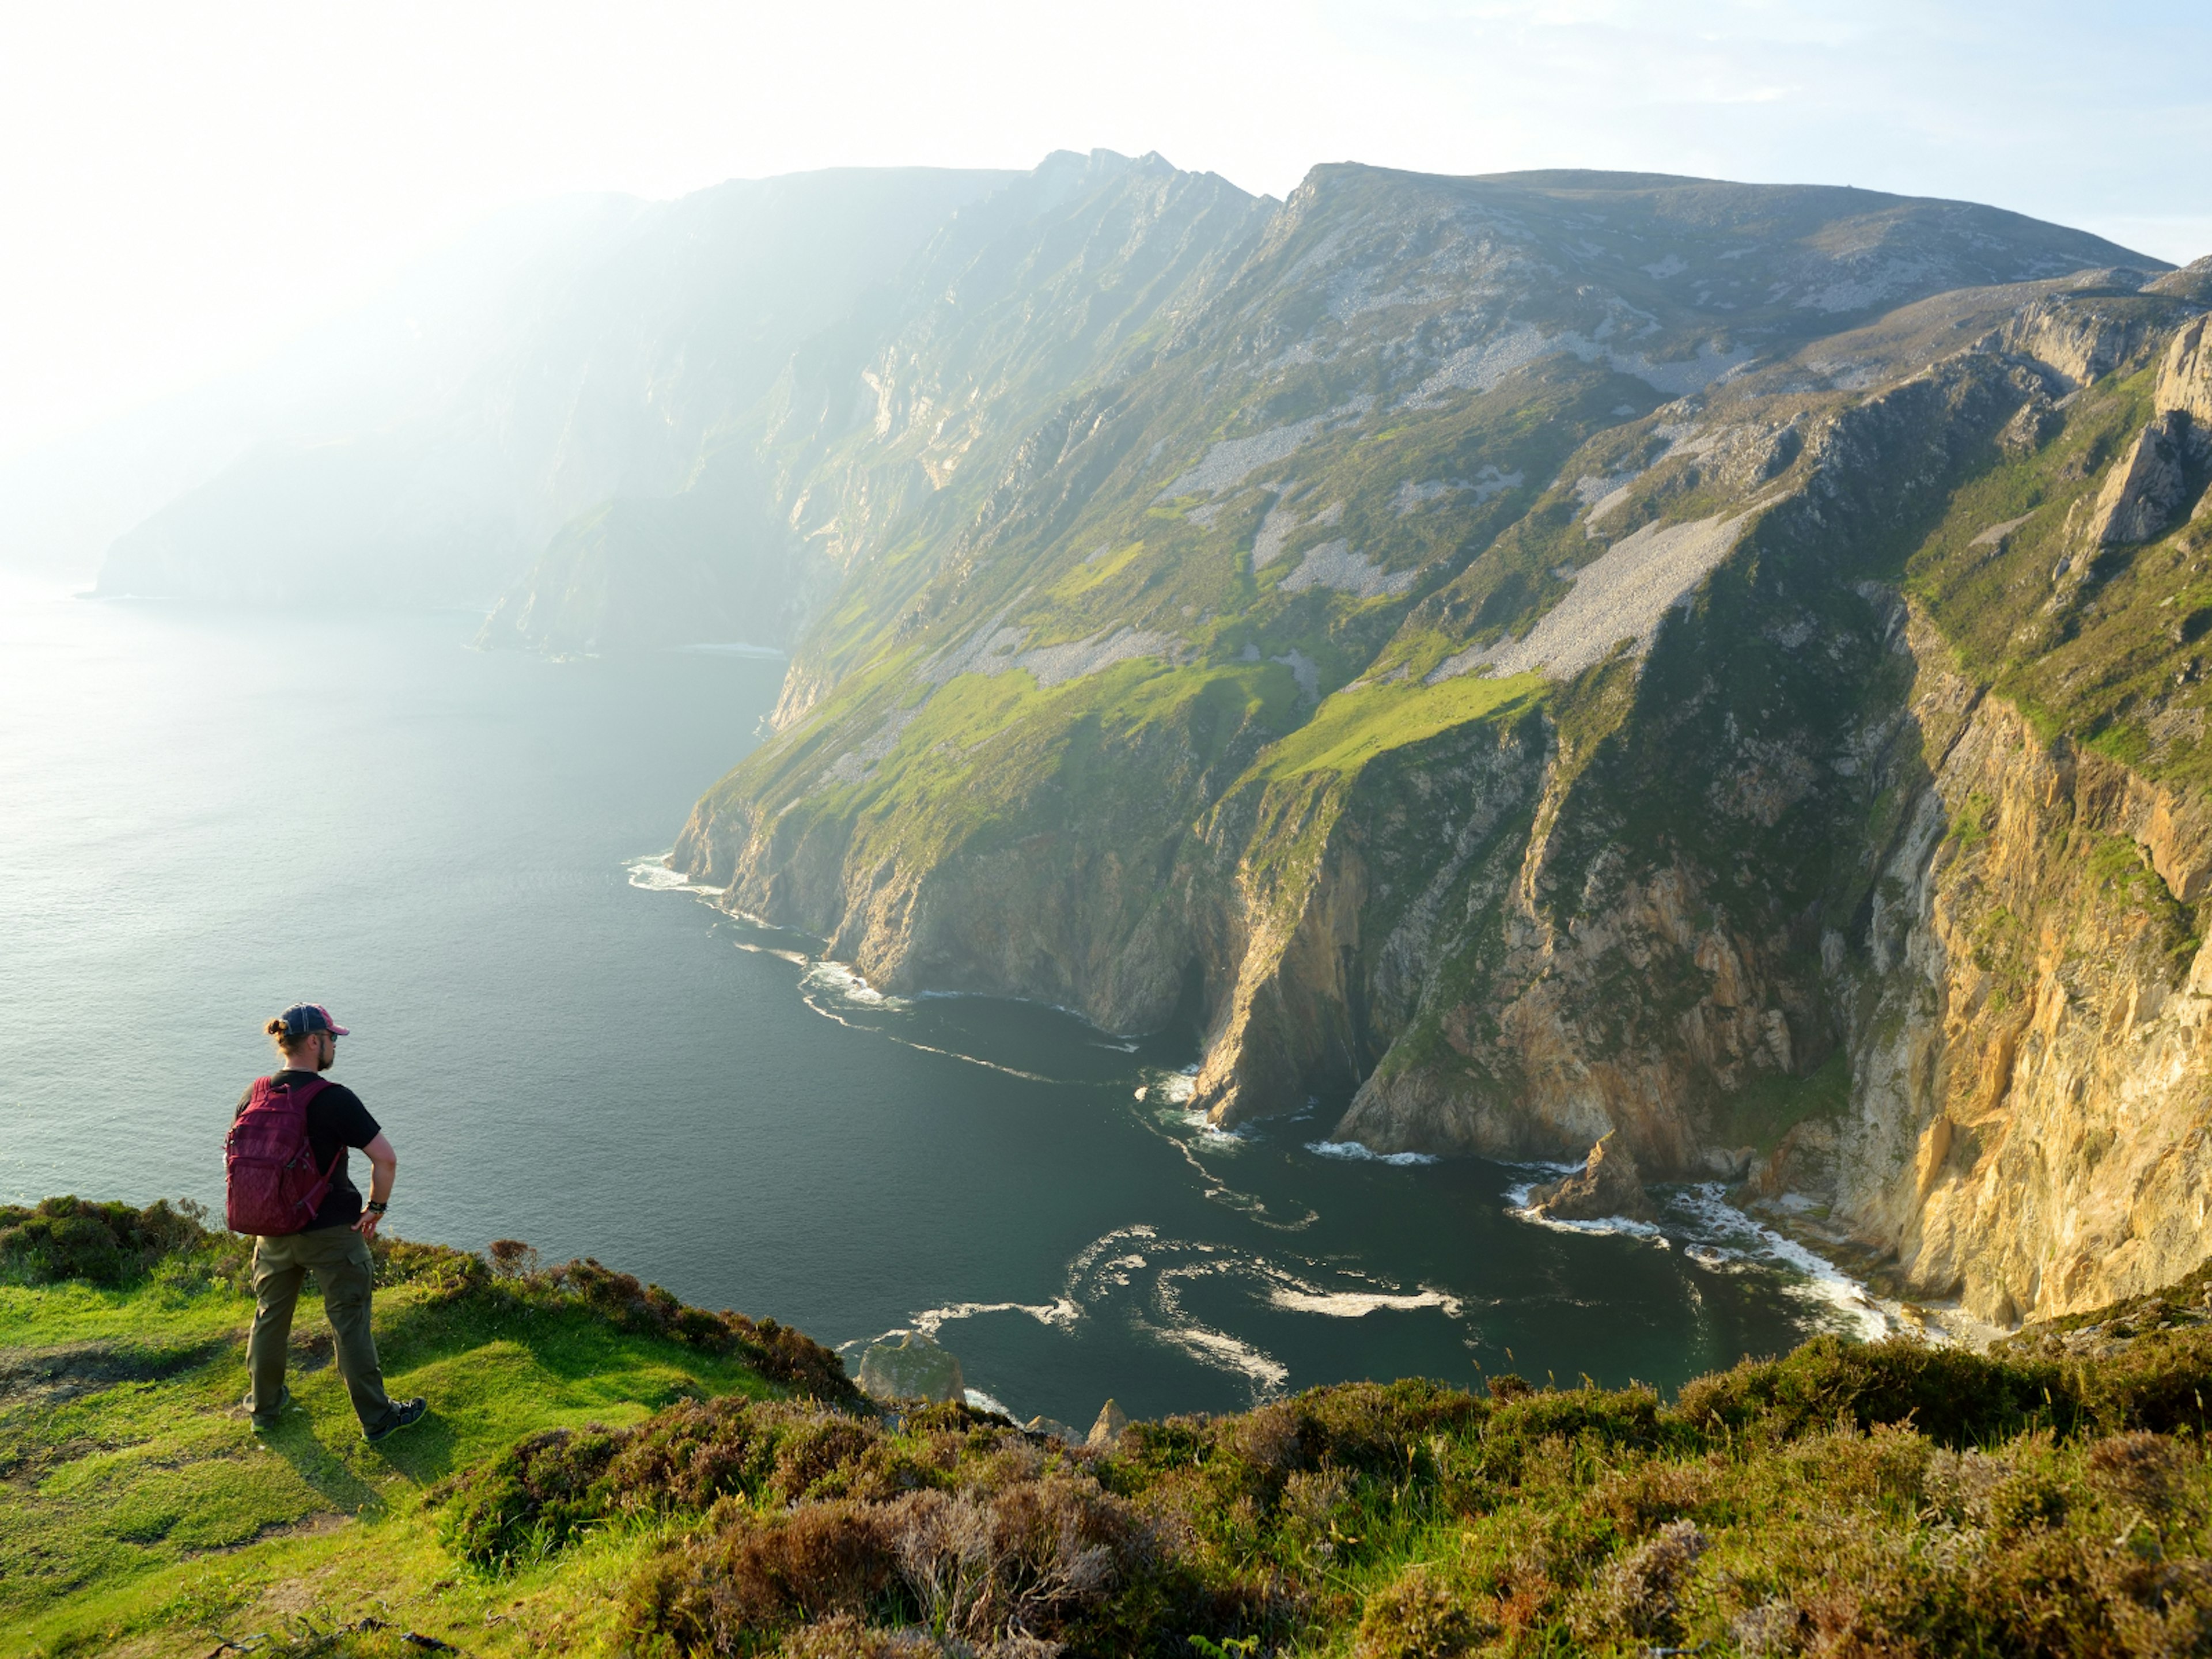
(2008, 946)
(2031, 1022)
(1518, 708)
(1287, 489)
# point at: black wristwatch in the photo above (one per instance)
(375, 1208)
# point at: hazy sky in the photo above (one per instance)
(185, 184)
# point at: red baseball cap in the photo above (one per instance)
(306, 1018)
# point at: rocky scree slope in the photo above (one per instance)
(1481, 650)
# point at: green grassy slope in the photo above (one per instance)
(140, 1509)
(2052, 1496)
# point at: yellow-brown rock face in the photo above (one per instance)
(2033, 1059)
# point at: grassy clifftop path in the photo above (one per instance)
(142, 1515)
(608, 1471)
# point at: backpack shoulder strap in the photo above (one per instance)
(306, 1089)
(302, 1093)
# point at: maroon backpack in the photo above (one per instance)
(272, 1185)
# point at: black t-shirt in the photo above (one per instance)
(336, 1120)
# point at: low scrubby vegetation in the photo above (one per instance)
(1884, 1497)
(2050, 1497)
(108, 1245)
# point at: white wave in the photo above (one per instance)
(1353, 1305)
(1215, 1140)
(1061, 1313)
(1212, 1133)
(1107, 1264)
(1353, 1152)
(1821, 1281)
(1143, 1275)
(1227, 1353)
(1179, 1088)
(837, 977)
(1516, 1196)
(984, 1402)
(655, 877)
(1202, 1342)
(1718, 1237)
(1620, 1225)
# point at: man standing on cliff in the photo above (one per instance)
(333, 1241)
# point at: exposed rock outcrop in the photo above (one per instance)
(2147, 489)
(2032, 1030)
(2080, 339)
(913, 1368)
(1608, 1184)
(2185, 381)
(1112, 1421)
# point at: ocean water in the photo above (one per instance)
(205, 816)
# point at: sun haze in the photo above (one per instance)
(187, 186)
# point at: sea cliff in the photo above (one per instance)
(1490, 674)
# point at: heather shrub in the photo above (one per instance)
(2140, 1470)
(441, 1272)
(539, 1494)
(1888, 1498)
(840, 1636)
(1623, 1419)
(532, 1500)
(1038, 1555)
(1575, 1521)
(2156, 1382)
(104, 1244)
(1948, 1394)
(695, 1452)
(741, 1587)
(1644, 1495)
(1415, 1616)
(510, 1258)
(1885, 1467)
(1051, 1559)
(1640, 1594)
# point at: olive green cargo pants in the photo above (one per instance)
(339, 1256)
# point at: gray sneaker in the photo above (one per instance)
(405, 1414)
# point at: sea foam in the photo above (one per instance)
(1353, 1151)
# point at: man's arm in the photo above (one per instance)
(384, 1164)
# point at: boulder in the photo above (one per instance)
(1112, 1419)
(1053, 1427)
(1608, 1184)
(912, 1368)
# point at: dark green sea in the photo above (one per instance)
(205, 816)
